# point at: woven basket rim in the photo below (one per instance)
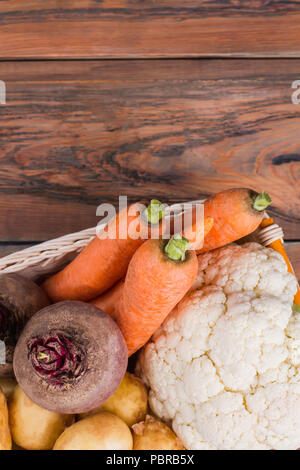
(49, 256)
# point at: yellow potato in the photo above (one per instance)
(32, 427)
(152, 434)
(101, 431)
(8, 385)
(5, 437)
(129, 401)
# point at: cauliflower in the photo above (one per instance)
(223, 369)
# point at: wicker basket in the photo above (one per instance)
(48, 257)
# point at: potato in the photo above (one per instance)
(5, 437)
(101, 431)
(129, 401)
(8, 385)
(15, 447)
(32, 427)
(152, 434)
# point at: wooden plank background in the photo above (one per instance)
(139, 28)
(75, 133)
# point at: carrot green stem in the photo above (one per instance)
(176, 247)
(262, 201)
(155, 211)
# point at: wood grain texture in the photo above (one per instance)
(293, 251)
(152, 28)
(75, 134)
(8, 248)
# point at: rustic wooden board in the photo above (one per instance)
(77, 133)
(138, 28)
(8, 248)
(293, 251)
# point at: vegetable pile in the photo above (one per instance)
(224, 366)
(210, 326)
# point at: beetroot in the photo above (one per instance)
(20, 298)
(57, 358)
(70, 357)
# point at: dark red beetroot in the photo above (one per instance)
(20, 298)
(70, 357)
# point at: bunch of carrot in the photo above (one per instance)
(150, 277)
(105, 259)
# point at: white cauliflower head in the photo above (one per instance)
(223, 368)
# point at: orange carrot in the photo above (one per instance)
(105, 260)
(236, 213)
(196, 235)
(109, 301)
(159, 275)
(278, 246)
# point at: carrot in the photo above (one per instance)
(105, 260)
(236, 213)
(109, 301)
(278, 246)
(159, 275)
(196, 235)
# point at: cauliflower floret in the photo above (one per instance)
(249, 339)
(293, 334)
(223, 368)
(246, 267)
(276, 407)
